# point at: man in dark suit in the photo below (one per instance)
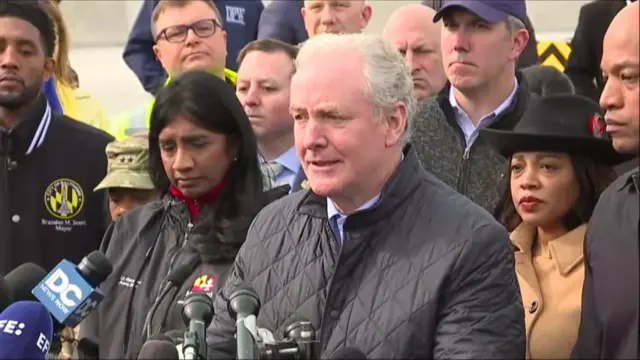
(583, 65)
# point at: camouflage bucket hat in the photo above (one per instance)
(128, 164)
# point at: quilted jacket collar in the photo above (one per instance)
(394, 194)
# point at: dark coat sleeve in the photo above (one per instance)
(283, 21)
(482, 316)
(581, 65)
(589, 342)
(138, 51)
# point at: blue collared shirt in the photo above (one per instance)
(332, 212)
(467, 126)
(291, 164)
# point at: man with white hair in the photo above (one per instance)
(336, 16)
(411, 30)
(378, 254)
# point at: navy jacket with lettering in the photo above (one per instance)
(240, 22)
(49, 166)
(283, 20)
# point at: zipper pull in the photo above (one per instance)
(186, 234)
(465, 156)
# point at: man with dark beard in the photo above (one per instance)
(49, 163)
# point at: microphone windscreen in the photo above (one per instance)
(5, 294)
(349, 353)
(23, 279)
(158, 350)
(87, 349)
(26, 329)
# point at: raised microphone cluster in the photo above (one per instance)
(253, 343)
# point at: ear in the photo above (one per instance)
(397, 123)
(156, 51)
(520, 40)
(49, 68)
(367, 12)
(303, 11)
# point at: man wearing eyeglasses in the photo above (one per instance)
(187, 35)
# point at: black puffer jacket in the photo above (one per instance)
(424, 273)
(147, 247)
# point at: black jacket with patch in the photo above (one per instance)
(423, 274)
(148, 246)
(49, 165)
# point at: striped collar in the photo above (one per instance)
(29, 134)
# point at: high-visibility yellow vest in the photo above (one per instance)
(126, 123)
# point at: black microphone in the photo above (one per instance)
(87, 349)
(197, 315)
(349, 353)
(23, 279)
(158, 349)
(5, 294)
(175, 279)
(244, 306)
(95, 268)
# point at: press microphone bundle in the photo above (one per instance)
(26, 329)
(197, 314)
(299, 336)
(158, 350)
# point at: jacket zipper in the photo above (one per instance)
(462, 178)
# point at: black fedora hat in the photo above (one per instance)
(563, 123)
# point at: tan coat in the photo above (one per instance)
(550, 278)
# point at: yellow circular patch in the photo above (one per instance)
(64, 198)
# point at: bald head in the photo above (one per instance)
(621, 69)
(412, 31)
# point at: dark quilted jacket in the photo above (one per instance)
(425, 273)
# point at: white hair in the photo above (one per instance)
(387, 76)
(514, 24)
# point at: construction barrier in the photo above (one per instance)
(554, 53)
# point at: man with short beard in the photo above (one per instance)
(43, 155)
(610, 295)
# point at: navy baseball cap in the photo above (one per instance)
(491, 11)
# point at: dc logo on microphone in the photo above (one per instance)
(11, 327)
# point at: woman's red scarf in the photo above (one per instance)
(193, 204)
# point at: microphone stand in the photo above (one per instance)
(198, 314)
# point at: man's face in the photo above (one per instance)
(208, 52)
(335, 16)
(23, 63)
(263, 85)
(342, 147)
(122, 200)
(418, 40)
(475, 52)
(621, 95)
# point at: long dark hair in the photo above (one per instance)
(211, 103)
(592, 178)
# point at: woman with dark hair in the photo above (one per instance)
(203, 155)
(560, 160)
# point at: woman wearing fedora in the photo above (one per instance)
(560, 161)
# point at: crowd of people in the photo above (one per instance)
(428, 192)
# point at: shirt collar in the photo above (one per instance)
(289, 160)
(502, 107)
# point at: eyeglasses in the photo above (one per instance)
(178, 33)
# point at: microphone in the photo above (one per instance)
(26, 329)
(175, 279)
(244, 306)
(22, 279)
(349, 353)
(70, 292)
(5, 294)
(197, 315)
(158, 349)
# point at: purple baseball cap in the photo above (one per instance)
(491, 11)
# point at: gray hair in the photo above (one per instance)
(514, 24)
(387, 76)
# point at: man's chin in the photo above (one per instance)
(13, 101)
